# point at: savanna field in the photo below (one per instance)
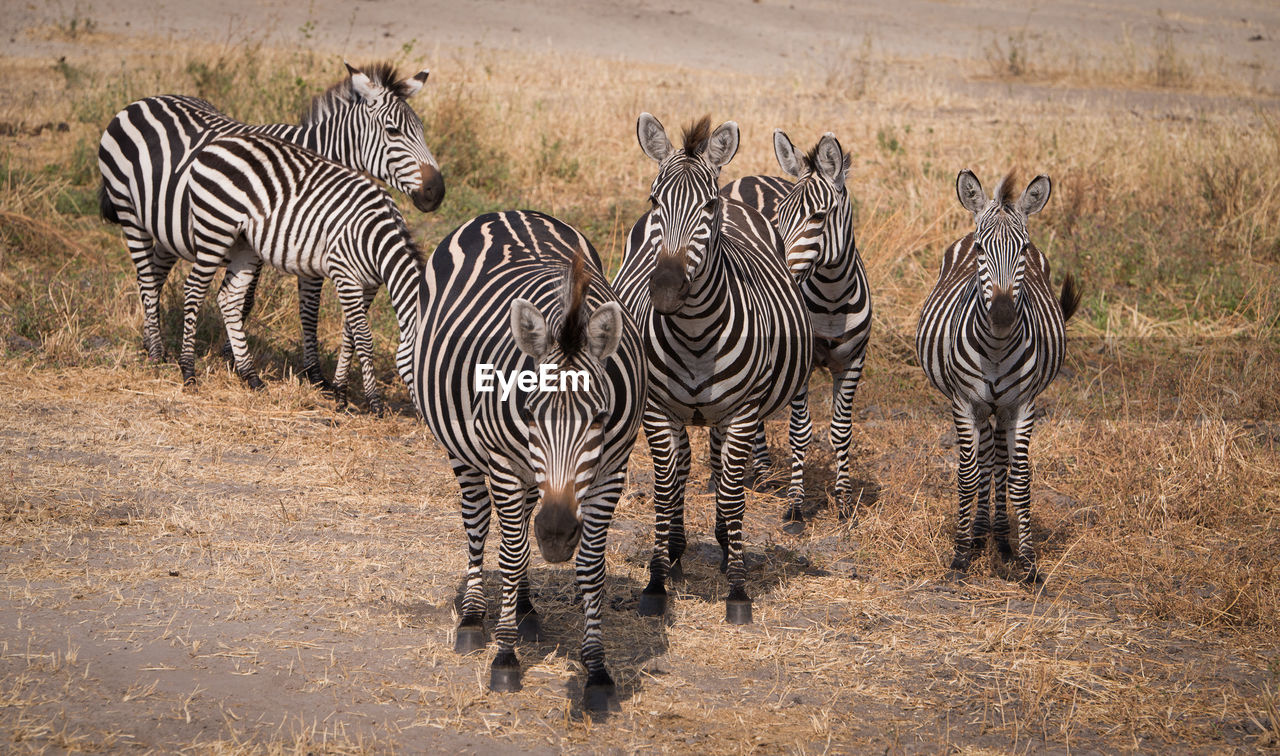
(225, 571)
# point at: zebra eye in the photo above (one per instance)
(653, 202)
(392, 131)
(820, 217)
(710, 203)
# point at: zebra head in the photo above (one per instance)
(686, 202)
(385, 133)
(815, 218)
(1000, 234)
(567, 426)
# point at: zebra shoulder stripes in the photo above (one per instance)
(726, 335)
(992, 337)
(255, 199)
(815, 218)
(363, 121)
(517, 291)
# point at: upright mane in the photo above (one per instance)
(341, 94)
(696, 135)
(1005, 195)
(573, 331)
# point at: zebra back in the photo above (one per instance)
(472, 280)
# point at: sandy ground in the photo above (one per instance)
(762, 37)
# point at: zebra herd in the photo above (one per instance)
(726, 300)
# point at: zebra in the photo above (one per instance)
(507, 292)
(256, 199)
(815, 218)
(726, 336)
(364, 121)
(991, 338)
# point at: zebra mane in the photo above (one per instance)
(1004, 194)
(696, 135)
(573, 331)
(324, 104)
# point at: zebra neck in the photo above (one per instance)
(845, 264)
(333, 143)
(706, 291)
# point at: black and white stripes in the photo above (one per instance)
(992, 337)
(725, 332)
(256, 199)
(522, 291)
(363, 122)
(815, 218)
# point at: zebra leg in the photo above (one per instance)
(1000, 480)
(1017, 430)
(513, 562)
(666, 439)
(717, 467)
(246, 307)
(241, 274)
(676, 540)
(761, 459)
(355, 301)
(309, 290)
(967, 430)
(731, 503)
(842, 391)
(599, 693)
(800, 432)
(193, 294)
(147, 259)
(475, 518)
(986, 464)
(528, 623)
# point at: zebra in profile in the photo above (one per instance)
(256, 199)
(815, 218)
(515, 291)
(992, 337)
(363, 121)
(726, 335)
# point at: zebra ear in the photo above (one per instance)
(831, 159)
(412, 85)
(788, 158)
(604, 330)
(969, 190)
(529, 328)
(362, 84)
(723, 144)
(1035, 196)
(653, 138)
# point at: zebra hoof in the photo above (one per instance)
(600, 698)
(530, 628)
(737, 611)
(227, 353)
(188, 378)
(652, 604)
(504, 676)
(676, 571)
(1033, 578)
(793, 521)
(340, 399)
(255, 383)
(469, 639)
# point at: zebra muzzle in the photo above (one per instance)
(668, 286)
(1002, 310)
(431, 194)
(557, 528)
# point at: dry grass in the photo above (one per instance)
(229, 572)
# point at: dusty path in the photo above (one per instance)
(762, 37)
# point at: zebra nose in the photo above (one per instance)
(1002, 309)
(431, 194)
(557, 526)
(668, 286)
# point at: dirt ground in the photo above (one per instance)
(227, 572)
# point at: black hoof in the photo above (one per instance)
(1032, 577)
(340, 399)
(1006, 553)
(530, 628)
(188, 379)
(470, 638)
(378, 408)
(316, 378)
(255, 383)
(599, 699)
(960, 562)
(227, 353)
(737, 611)
(652, 604)
(504, 679)
(676, 571)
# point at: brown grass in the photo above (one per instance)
(254, 573)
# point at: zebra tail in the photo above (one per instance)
(1070, 299)
(105, 206)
